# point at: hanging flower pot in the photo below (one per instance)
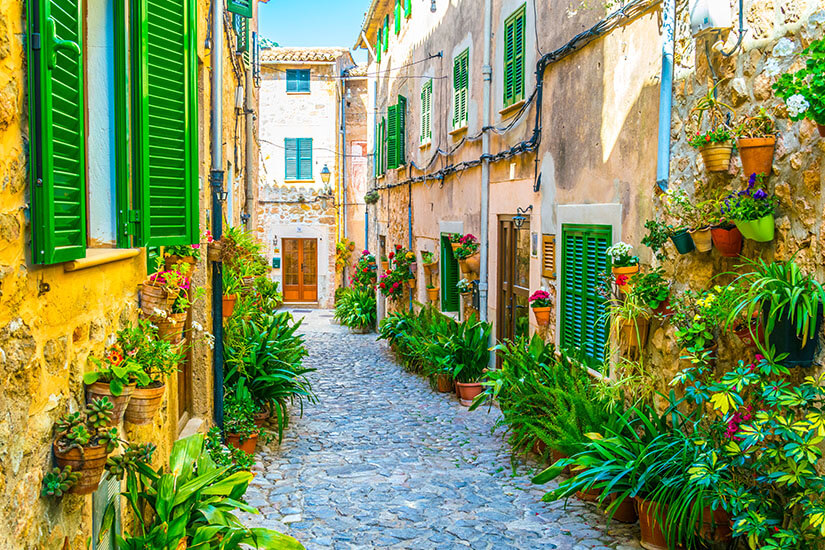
(144, 403)
(411, 282)
(664, 309)
(169, 262)
(247, 445)
(155, 297)
(702, 239)
(746, 332)
(633, 333)
(229, 304)
(385, 265)
(444, 382)
(762, 230)
(717, 156)
(821, 129)
(432, 294)
(800, 350)
(727, 241)
(474, 263)
(455, 246)
(170, 328)
(757, 155)
(542, 316)
(99, 390)
(414, 267)
(683, 241)
(214, 251)
(468, 391)
(88, 462)
(629, 271)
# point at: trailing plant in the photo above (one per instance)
(356, 308)
(88, 428)
(658, 234)
(158, 358)
(804, 90)
(698, 315)
(760, 125)
(651, 288)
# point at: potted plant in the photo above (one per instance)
(455, 240)
(428, 258)
(658, 234)
(115, 378)
(356, 309)
(715, 144)
(239, 419)
(161, 289)
(465, 288)
(683, 213)
(622, 260)
(214, 248)
(698, 315)
(756, 141)
(58, 482)
(804, 90)
(753, 211)
(468, 254)
(541, 305)
(371, 197)
(629, 319)
(84, 441)
(653, 290)
(438, 363)
(791, 305)
(432, 293)
(175, 255)
(231, 287)
(385, 263)
(469, 346)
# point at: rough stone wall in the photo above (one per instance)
(359, 176)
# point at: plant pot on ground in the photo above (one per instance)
(239, 418)
(727, 240)
(444, 382)
(470, 356)
(145, 403)
(262, 415)
(652, 535)
(625, 511)
(84, 441)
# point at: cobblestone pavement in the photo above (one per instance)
(384, 462)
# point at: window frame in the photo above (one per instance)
(461, 115)
(301, 144)
(294, 78)
(426, 136)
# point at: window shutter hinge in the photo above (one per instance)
(133, 221)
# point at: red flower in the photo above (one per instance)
(391, 255)
(621, 280)
(382, 285)
(707, 138)
(366, 270)
(398, 247)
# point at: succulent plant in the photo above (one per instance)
(135, 454)
(69, 421)
(109, 438)
(78, 435)
(57, 482)
(99, 413)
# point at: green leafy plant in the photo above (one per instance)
(158, 358)
(469, 346)
(760, 125)
(720, 134)
(183, 250)
(87, 428)
(356, 308)
(804, 90)
(750, 204)
(365, 272)
(652, 288)
(372, 197)
(658, 234)
(57, 482)
(239, 411)
(226, 456)
(427, 257)
(118, 370)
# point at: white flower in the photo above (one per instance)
(160, 313)
(619, 250)
(797, 104)
(197, 326)
(784, 47)
(817, 18)
(110, 341)
(772, 67)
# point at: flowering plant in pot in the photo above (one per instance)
(714, 143)
(465, 286)
(697, 315)
(114, 377)
(175, 255)
(622, 259)
(804, 90)
(84, 440)
(467, 254)
(682, 214)
(756, 141)
(428, 258)
(365, 271)
(752, 209)
(162, 288)
(541, 303)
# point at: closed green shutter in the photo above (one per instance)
(241, 7)
(397, 17)
(407, 8)
(378, 47)
(584, 258)
(165, 121)
(305, 158)
(392, 136)
(426, 112)
(460, 88)
(57, 139)
(386, 41)
(298, 80)
(401, 132)
(449, 277)
(383, 145)
(291, 156)
(241, 25)
(514, 57)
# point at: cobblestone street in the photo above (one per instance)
(384, 462)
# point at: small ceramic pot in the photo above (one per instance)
(757, 155)
(432, 294)
(144, 403)
(89, 464)
(229, 305)
(683, 242)
(702, 239)
(468, 391)
(762, 230)
(542, 316)
(99, 390)
(717, 156)
(727, 241)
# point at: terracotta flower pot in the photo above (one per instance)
(761, 230)
(743, 331)
(653, 536)
(716, 525)
(89, 464)
(414, 267)
(664, 309)
(702, 239)
(821, 129)
(717, 156)
(474, 263)
(542, 315)
(629, 271)
(626, 511)
(411, 282)
(99, 390)
(144, 403)
(634, 335)
(385, 266)
(430, 266)
(154, 297)
(432, 294)
(591, 495)
(247, 445)
(169, 262)
(262, 416)
(444, 382)
(171, 328)
(229, 305)
(727, 241)
(455, 246)
(757, 155)
(468, 391)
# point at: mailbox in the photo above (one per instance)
(276, 262)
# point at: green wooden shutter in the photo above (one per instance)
(392, 136)
(514, 57)
(386, 41)
(57, 137)
(583, 321)
(460, 87)
(383, 145)
(407, 8)
(241, 25)
(241, 7)
(305, 158)
(449, 277)
(401, 131)
(426, 112)
(378, 47)
(397, 17)
(291, 156)
(165, 121)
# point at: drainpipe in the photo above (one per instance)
(487, 70)
(216, 186)
(666, 93)
(343, 133)
(249, 112)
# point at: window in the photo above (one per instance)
(378, 47)
(297, 80)
(583, 323)
(241, 7)
(449, 277)
(407, 8)
(380, 156)
(383, 145)
(461, 85)
(396, 133)
(386, 41)
(298, 158)
(514, 57)
(397, 17)
(163, 209)
(426, 112)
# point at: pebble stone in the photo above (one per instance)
(383, 461)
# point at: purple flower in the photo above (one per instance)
(752, 181)
(760, 194)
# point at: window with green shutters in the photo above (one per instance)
(298, 158)
(426, 112)
(396, 133)
(514, 57)
(298, 80)
(241, 25)
(383, 146)
(461, 85)
(378, 47)
(397, 17)
(449, 277)
(407, 8)
(386, 41)
(241, 7)
(392, 135)
(583, 323)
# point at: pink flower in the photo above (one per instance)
(196, 246)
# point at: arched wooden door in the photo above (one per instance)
(300, 270)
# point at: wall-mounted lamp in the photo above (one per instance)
(520, 217)
(432, 7)
(223, 195)
(325, 174)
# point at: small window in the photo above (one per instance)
(514, 57)
(427, 112)
(461, 86)
(298, 158)
(297, 80)
(450, 296)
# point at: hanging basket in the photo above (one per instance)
(683, 242)
(634, 334)
(762, 230)
(727, 241)
(144, 403)
(411, 283)
(702, 239)
(542, 316)
(717, 157)
(89, 463)
(432, 294)
(171, 327)
(154, 297)
(99, 390)
(214, 251)
(757, 155)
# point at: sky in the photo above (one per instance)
(313, 23)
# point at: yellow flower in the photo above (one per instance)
(696, 317)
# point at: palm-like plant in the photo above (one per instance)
(356, 308)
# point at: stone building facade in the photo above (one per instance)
(54, 317)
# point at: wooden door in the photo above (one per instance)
(513, 313)
(300, 270)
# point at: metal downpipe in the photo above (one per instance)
(666, 93)
(485, 163)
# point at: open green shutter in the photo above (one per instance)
(397, 17)
(165, 121)
(305, 158)
(291, 158)
(449, 277)
(456, 91)
(509, 55)
(386, 41)
(241, 25)
(460, 86)
(383, 145)
(401, 131)
(407, 8)
(241, 7)
(57, 138)
(518, 56)
(378, 47)
(392, 136)
(465, 86)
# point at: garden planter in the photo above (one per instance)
(432, 294)
(653, 536)
(214, 251)
(411, 282)
(702, 239)
(591, 495)
(429, 267)
(414, 267)
(144, 403)
(727, 241)
(626, 511)
(444, 382)
(99, 390)
(247, 445)
(627, 271)
(800, 351)
(664, 309)
(171, 327)
(716, 525)
(757, 155)
(169, 262)
(761, 230)
(455, 246)
(743, 331)
(473, 263)
(634, 334)
(717, 157)
(89, 463)
(468, 391)
(542, 316)
(683, 242)
(229, 305)
(360, 330)
(155, 298)
(262, 416)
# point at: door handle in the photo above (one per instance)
(54, 44)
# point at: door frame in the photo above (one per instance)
(300, 248)
(507, 290)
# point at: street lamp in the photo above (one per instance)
(325, 174)
(432, 7)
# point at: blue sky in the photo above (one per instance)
(313, 22)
